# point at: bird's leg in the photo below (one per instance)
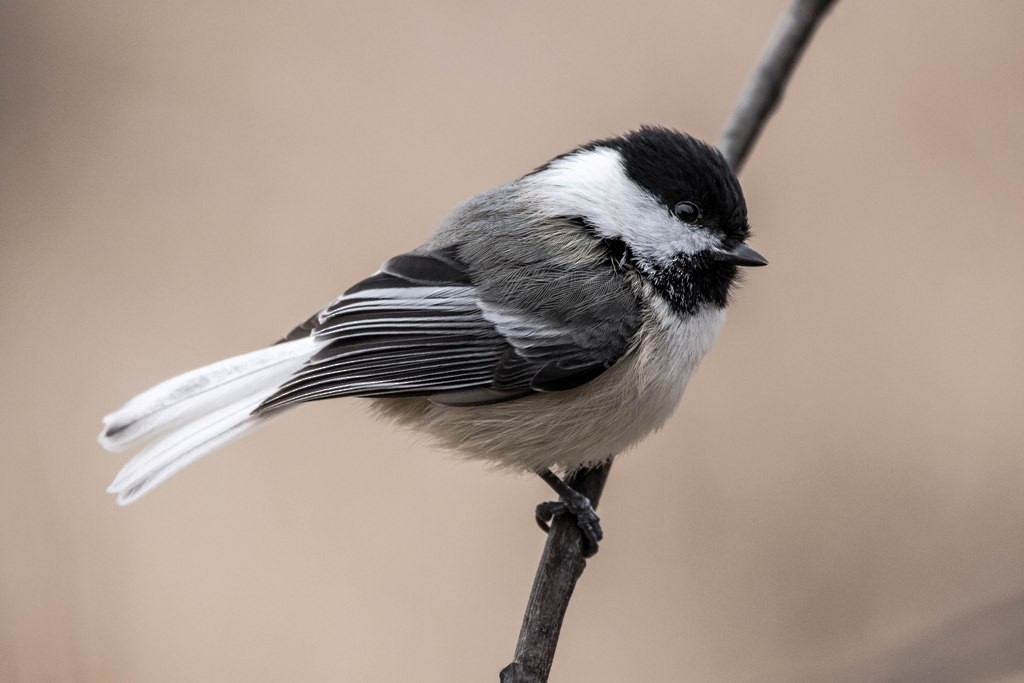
(570, 502)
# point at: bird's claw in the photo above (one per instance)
(577, 505)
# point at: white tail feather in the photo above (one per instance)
(180, 448)
(196, 413)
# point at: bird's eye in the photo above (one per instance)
(687, 212)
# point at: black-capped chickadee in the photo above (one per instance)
(549, 323)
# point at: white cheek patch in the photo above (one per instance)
(691, 241)
(594, 184)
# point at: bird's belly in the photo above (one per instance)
(583, 426)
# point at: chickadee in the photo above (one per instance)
(549, 323)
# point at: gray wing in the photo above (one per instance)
(421, 327)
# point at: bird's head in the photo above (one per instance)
(667, 202)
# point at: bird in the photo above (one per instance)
(547, 325)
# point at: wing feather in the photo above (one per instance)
(419, 327)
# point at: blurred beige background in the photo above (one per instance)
(839, 498)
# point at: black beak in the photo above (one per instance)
(742, 255)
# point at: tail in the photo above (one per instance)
(194, 413)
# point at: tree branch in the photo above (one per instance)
(764, 90)
(562, 562)
(561, 565)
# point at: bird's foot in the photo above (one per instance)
(571, 502)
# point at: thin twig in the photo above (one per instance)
(560, 567)
(764, 90)
(562, 563)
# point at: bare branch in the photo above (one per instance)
(562, 563)
(560, 567)
(764, 91)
